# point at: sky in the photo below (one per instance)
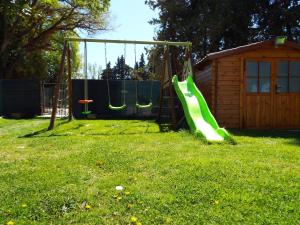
(128, 21)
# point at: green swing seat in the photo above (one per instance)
(139, 106)
(144, 106)
(117, 108)
(86, 112)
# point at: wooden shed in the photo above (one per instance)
(253, 86)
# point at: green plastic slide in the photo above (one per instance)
(197, 113)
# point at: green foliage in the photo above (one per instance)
(69, 175)
(94, 71)
(121, 70)
(107, 73)
(213, 25)
(52, 57)
(29, 28)
(142, 61)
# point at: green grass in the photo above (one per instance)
(172, 177)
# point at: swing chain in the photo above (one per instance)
(187, 66)
(85, 77)
(151, 87)
(106, 70)
(107, 81)
(124, 66)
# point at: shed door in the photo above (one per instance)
(272, 93)
(287, 94)
(258, 94)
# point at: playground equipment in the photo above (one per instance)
(86, 101)
(197, 114)
(123, 106)
(136, 86)
(166, 77)
(196, 111)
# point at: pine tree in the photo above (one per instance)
(136, 65)
(107, 73)
(121, 70)
(142, 61)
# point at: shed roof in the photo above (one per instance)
(244, 48)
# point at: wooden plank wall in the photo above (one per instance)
(258, 112)
(287, 113)
(228, 91)
(203, 80)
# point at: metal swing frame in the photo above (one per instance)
(66, 53)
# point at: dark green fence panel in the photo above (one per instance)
(20, 97)
(98, 93)
(1, 99)
(1, 111)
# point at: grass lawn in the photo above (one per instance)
(68, 176)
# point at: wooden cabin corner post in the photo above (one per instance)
(215, 89)
(57, 86)
(242, 92)
(70, 91)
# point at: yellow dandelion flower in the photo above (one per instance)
(168, 220)
(24, 205)
(133, 219)
(127, 193)
(119, 198)
(10, 222)
(216, 202)
(87, 206)
(138, 223)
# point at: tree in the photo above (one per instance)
(213, 25)
(52, 59)
(276, 17)
(142, 69)
(107, 73)
(29, 27)
(121, 70)
(142, 61)
(94, 71)
(136, 65)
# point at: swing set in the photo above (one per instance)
(165, 77)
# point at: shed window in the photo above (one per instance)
(288, 77)
(258, 76)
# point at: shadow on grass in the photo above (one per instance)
(293, 136)
(45, 130)
(111, 132)
(107, 134)
(34, 133)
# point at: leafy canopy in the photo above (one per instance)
(213, 25)
(31, 27)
